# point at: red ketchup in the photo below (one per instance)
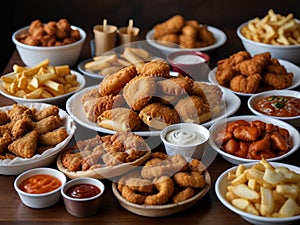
(83, 191)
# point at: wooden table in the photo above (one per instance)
(206, 211)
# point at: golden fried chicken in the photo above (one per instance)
(245, 84)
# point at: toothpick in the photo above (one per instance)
(130, 25)
(104, 25)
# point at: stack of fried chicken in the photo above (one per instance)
(148, 95)
(246, 74)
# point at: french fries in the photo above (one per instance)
(273, 29)
(40, 81)
(109, 64)
(264, 190)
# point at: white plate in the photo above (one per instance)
(290, 67)
(219, 35)
(295, 120)
(19, 165)
(217, 127)
(221, 189)
(54, 100)
(89, 73)
(230, 106)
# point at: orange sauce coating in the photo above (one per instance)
(40, 183)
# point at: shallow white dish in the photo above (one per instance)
(19, 165)
(230, 106)
(91, 77)
(221, 189)
(290, 67)
(162, 210)
(219, 35)
(220, 125)
(295, 121)
(54, 100)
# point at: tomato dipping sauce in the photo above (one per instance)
(281, 106)
(40, 183)
(83, 191)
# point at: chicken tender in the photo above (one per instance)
(48, 124)
(244, 84)
(54, 137)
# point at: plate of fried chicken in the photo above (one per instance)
(246, 75)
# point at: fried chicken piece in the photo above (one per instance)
(25, 147)
(224, 75)
(183, 195)
(171, 26)
(119, 119)
(158, 116)
(193, 109)
(244, 84)
(54, 137)
(4, 118)
(170, 40)
(21, 127)
(48, 124)
(72, 159)
(204, 35)
(112, 84)
(88, 101)
(156, 68)
(139, 91)
(19, 111)
(176, 85)
(249, 67)
(5, 140)
(186, 41)
(52, 110)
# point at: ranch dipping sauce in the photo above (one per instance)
(188, 59)
(184, 137)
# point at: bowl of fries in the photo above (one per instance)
(274, 33)
(262, 192)
(41, 83)
(58, 55)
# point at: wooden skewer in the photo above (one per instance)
(130, 25)
(104, 25)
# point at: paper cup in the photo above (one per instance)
(104, 41)
(125, 38)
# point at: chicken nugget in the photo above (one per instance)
(48, 124)
(52, 110)
(54, 137)
(4, 118)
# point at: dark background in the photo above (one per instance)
(146, 13)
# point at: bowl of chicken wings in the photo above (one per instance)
(32, 135)
(58, 41)
(245, 139)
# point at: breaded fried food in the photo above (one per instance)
(119, 119)
(158, 116)
(112, 84)
(25, 147)
(4, 118)
(48, 124)
(170, 40)
(88, 101)
(52, 110)
(21, 127)
(19, 111)
(245, 84)
(176, 85)
(172, 25)
(5, 140)
(107, 102)
(139, 91)
(54, 137)
(193, 109)
(183, 195)
(155, 68)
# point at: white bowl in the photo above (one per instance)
(219, 35)
(55, 100)
(58, 55)
(85, 206)
(221, 189)
(18, 165)
(188, 146)
(42, 200)
(218, 127)
(295, 120)
(289, 53)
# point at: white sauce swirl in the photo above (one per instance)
(188, 59)
(184, 137)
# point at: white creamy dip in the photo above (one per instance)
(184, 137)
(188, 59)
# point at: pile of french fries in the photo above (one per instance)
(273, 29)
(265, 190)
(40, 81)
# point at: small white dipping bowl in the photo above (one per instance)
(185, 134)
(286, 52)
(83, 207)
(43, 200)
(58, 55)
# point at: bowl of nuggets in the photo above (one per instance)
(275, 33)
(162, 186)
(41, 83)
(58, 41)
(32, 135)
(103, 157)
(261, 193)
(147, 98)
(177, 33)
(245, 139)
(247, 75)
